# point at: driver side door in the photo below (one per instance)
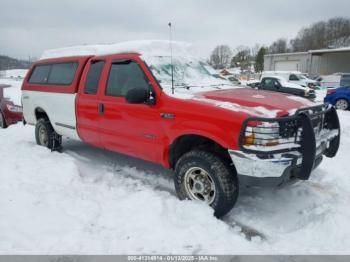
(132, 129)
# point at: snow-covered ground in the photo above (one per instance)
(89, 201)
(14, 91)
(14, 73)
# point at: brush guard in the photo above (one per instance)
(306, 132)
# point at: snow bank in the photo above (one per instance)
(54, 203)
(89, 201)
(144, 47)
(14, 92)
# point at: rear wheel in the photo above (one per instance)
(203, 176)
(46, 136)
(342, 104)
(2, 121)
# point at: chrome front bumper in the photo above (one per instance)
(251, 165)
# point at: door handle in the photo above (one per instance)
(101, 109)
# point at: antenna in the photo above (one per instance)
(171, 58)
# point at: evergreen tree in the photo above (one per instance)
(259, 61)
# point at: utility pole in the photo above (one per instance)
(171, 58)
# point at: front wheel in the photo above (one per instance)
(205, 177)
(342, 104)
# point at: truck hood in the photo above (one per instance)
(255, 102)
(293, 85)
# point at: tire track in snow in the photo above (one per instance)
(148, 174)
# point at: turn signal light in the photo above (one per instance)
(249, 140)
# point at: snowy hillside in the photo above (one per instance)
(89, 201)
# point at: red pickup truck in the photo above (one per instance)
(136, 100)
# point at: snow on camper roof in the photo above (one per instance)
(143, 47)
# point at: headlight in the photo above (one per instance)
(264, 134)
(15, 109)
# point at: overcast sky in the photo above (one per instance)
(27, 27)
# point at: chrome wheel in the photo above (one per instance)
(43, 137)
(199, 185)
(342, 104)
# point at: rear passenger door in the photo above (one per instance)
(88, 102)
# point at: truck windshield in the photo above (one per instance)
(302, 77)
(191, 74)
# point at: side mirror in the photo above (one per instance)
(139, 96)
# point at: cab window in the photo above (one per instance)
(62, 73)
(93, 77)
(54, 74)
(268, 83)
(124, 76)
(40, 74)
(293, 78)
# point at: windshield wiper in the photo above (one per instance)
(184, 86)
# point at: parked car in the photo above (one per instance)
(233, 80)
(279, 84)
(253, 83)
(334, 80)
(9, 112)
(294, 77)
(212, 135)
(339, 97)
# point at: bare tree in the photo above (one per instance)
(338, 32)
(330, 34)
(279, 46)
(254, 50)
(221, 57)
(242, 58)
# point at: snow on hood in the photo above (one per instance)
(143, 47)
(254, 102)
(255, 111)
(285, 83)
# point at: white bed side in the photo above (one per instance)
(59, 107)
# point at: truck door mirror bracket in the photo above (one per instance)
(140, 96)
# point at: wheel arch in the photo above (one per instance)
(39, 113)
(187, 142)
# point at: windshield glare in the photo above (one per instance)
(188, 73)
